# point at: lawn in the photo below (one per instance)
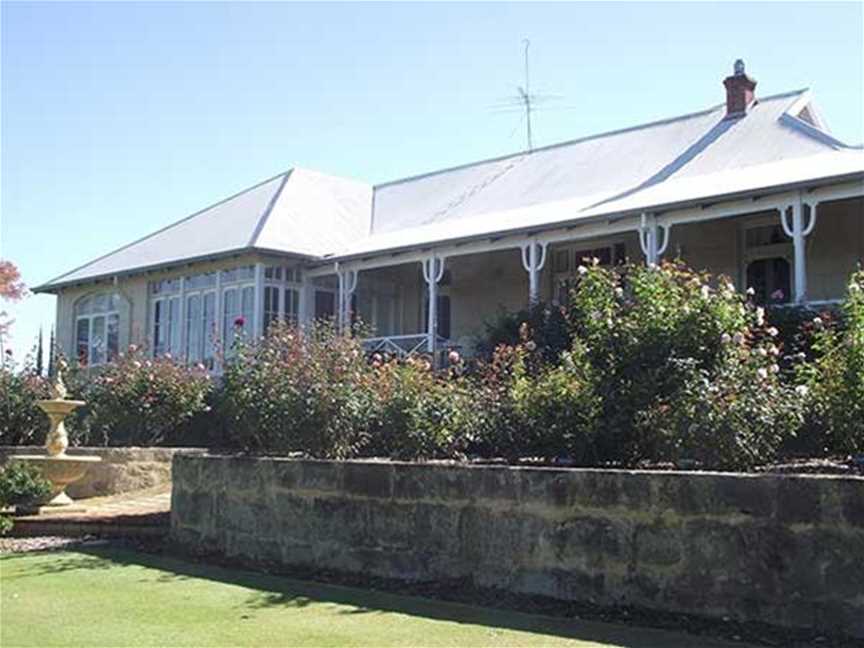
(114, 597)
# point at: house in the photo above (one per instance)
(754, 188)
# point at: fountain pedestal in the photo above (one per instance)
(56, 466)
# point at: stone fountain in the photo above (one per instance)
(56, 466)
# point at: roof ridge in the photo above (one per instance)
(161, 230)
(579, 140)
(262, 220)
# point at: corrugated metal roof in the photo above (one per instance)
(311, 214)
(691, 157)
(297, 212)
(674, 192)
(600, 167)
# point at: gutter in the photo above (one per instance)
(54, 287)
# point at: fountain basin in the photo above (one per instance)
(59, 407)
(60, 470)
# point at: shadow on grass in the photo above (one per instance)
(276, 591)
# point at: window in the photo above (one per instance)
(185, 320)
(281, 294)
(770, 279)
(271, 305)
(165, 304)
(566, 262)
(97, 326)
(238, 304)
(199, 291)
(238, 308)
(325, 304)
(166, 325)
(767, 266)
(201, 328)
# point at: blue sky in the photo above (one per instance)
(118, 118)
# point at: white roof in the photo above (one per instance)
(781, 141)
(687, 158)
(299, 212)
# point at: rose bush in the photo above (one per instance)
(525, 406)
(419, 413)
(140, 401)
(298, 390)
(832, 384)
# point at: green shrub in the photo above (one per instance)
(735, 418)
(298, 389)
(139, 401)
(21, 421)
(526, 407)
(832, 384)
(418, 413)
(660, 341)
(546, 325)
(20, 483)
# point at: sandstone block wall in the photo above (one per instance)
(787, 550)
(121, 469)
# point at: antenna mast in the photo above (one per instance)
(526, 96)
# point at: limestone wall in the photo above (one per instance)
(780, 549)
(121, 469)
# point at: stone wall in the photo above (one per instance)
(121, 469)
(786, 550)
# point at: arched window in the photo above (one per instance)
(97, 326)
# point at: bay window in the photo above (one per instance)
(191, 317)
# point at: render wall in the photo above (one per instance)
(780, 549)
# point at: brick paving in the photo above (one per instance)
(137, 514)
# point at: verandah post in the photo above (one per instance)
(433, 270)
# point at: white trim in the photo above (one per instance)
(258, 300)
(433, 271)
(533, 260)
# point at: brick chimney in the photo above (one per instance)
(739, 92)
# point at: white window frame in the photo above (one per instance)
(283, 279)
(201, 293)
(93, 360)
(783, 250)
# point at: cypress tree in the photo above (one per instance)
(39, 365)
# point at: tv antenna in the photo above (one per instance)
(525, 101)
(525, 94)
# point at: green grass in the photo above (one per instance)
(113, 597)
